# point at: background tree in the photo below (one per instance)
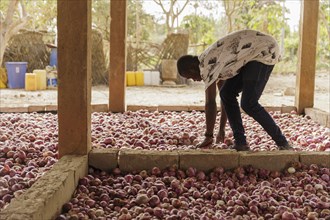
(171, 9)
(44, 15)
(265, 16)
(201, 31)
(231, 11)
(101, 18)
(323, 49)
(15, 19)
(146, 33)
(140, 27)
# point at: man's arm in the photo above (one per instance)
(210, 114)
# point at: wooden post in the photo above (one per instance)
(74, 76)
(117, 75)
(305, 81)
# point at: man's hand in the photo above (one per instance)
(220, 137)
(207, 141)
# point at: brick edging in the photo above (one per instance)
(136, 160)
(105, 108)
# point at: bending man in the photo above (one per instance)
(244, 60)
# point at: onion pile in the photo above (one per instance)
(28, 148)
(29, 142)
(170, 130)
(242, 193)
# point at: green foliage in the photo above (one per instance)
(201, 29)
(43, 14)
(265, 16)
(323, 49)
(138, 22)
(204, 28)
(291, 43)
(101, 17)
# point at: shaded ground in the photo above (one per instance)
(279, 91)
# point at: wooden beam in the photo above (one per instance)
(117, 76)
(305, 82)
(74, 78)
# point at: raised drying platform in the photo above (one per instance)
(46, 197)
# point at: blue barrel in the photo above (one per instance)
(16, 74)
(53, 57)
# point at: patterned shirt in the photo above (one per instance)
(223, 59)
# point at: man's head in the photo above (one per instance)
(188, 67)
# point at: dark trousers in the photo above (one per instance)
(251, 81)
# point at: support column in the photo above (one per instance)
(305, 81)
(117, 75)
(74, 76)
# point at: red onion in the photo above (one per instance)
(67, 207)
(154, 201)
(158, 212)
(156, 171)
(191, 172)
(200, 176)
(141, 199)
(176, 203)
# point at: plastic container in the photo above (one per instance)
(139, 78)
(3, 78)
(52, 83)
(52, 79)
(41, 79)
(147, 77)
(31, 82)
(130, 79)
(155, 78)
(16, 74)
(53, 57)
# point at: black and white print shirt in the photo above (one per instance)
(222, 59)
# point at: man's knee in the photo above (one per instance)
(248, 107)
(225, 94)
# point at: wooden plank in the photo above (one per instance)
(100, 108)
(177, 108)
(74, 80)
(51, 108)
(13, 109)
(305, 82)
(117, 76)
(142, 107)
(36, 108)
(319, 116)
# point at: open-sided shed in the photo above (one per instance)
(75, 63)
(74, 109)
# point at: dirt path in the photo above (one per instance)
(279, 91)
